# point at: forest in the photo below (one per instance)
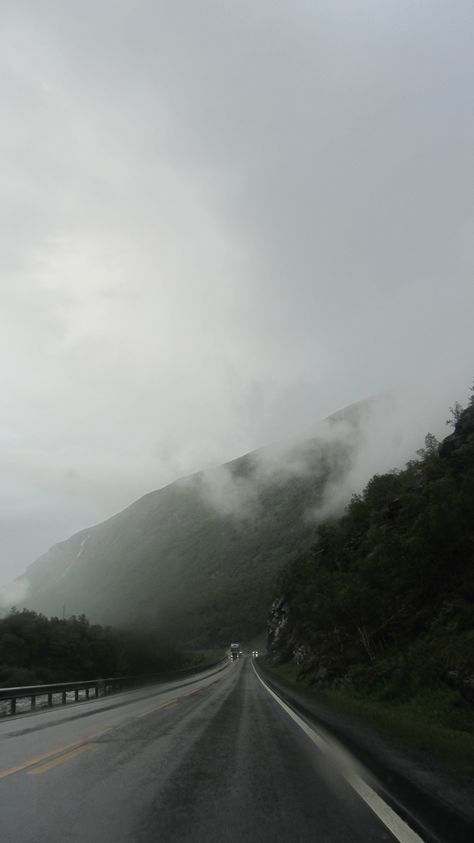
(37, 650)
(383, 602)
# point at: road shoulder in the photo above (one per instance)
(436, 800)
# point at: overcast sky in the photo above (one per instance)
(220, 222)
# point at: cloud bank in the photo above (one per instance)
(220, 223)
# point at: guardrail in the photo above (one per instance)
(99, 687)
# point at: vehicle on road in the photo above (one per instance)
(235, 651)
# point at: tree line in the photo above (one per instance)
(37, 650)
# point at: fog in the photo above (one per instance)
(342, 452)
(221, 223)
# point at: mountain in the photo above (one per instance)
(384, 599)
(197, 559)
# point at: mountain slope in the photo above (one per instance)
(197, 558)
(384, 598)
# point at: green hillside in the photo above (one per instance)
(197, 559)
(380, 609)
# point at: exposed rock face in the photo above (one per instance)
(280, 645)
(282, 640)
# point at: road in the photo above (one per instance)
(217, 759)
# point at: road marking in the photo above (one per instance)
(58, 751)
(37, 771)
(398, 827)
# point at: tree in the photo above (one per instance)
(431, 446)
(456, 413)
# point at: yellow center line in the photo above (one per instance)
(58, 751)
(36, 771)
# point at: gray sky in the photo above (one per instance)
(220, 222)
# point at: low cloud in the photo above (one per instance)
(13, 594)
(221, 221)
(229, 495)
(341, 453)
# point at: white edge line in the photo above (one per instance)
(395, 824)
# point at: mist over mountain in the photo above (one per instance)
(197, 559)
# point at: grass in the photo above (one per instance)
(201, 658)
(434, 720)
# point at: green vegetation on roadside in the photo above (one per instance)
(379, 613)
(202, 658)
(432, 721)
(37, 650)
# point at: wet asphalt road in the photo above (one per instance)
(213, 760)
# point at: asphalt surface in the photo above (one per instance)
(215, 759)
